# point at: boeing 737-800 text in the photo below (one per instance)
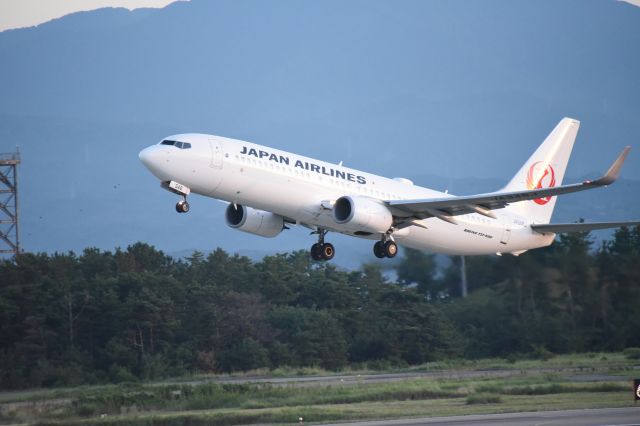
(268, 189)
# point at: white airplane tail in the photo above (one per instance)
(544, 169)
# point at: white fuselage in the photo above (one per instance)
(302, 189)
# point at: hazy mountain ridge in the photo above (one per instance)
(445, 88)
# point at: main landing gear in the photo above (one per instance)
(385, 247)
(322, 250)
(182, 206)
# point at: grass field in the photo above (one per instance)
(563, 382)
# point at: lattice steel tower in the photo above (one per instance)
(9, 237)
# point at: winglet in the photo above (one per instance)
(614, 171)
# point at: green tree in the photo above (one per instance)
(244, 354)
(281, 277)
(314, 337)
(419, 268)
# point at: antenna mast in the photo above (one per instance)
(9, 237)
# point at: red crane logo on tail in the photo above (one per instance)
(541, 175)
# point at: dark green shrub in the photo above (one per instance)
(540, 352)
(483, 398)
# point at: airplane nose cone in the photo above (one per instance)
(147, 156)
(155, 160)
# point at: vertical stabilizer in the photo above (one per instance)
(544, 169)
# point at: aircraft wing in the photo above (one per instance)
(559, 228)
(484, 203)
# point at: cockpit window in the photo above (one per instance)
(181, 145)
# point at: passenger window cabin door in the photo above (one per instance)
(216, 154)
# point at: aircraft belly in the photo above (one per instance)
(464, 239)
(446, 238)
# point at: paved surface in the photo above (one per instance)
(597, 417)
(574, 374)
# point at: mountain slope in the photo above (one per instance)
(446, 88)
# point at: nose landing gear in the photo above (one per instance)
(182, 206)
(321, 250)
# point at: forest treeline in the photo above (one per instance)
(137, 314)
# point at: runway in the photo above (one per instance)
(573, 374)
(597, 417)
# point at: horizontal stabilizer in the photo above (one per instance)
(559, 228)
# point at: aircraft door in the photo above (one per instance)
(506, 234)
(216, 154)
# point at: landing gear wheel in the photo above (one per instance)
(327, 251)
(378, 249)
(182, 206)
(316, 251)
(322, 250)
(390, 249)
(385, 249)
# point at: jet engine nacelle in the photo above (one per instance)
(253, 221)
(362, 214)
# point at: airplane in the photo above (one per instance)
(268, 190)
